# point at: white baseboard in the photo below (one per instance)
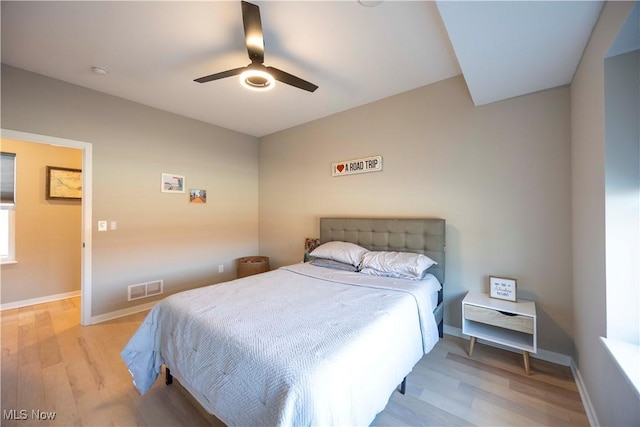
(549, 356)
(121, 313)
(586, 401)
(40, 300)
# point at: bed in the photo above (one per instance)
(302, 344)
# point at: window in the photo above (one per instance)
(7, 239)
(7, 205)
(622, 198)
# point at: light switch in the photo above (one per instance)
(102, 225)
(114, 226)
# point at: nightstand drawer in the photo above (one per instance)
(496, 318)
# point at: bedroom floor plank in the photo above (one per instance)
(59, 395)
(412, 411)
(9, 361)
(540, 395)
(513, 405)
(460, 404)
(527, 391)
(49, 362)
(471, 388)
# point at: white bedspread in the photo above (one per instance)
(301, 345)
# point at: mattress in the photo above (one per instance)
(301, 345)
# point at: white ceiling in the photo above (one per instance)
(355, 54)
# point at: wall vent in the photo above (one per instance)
(144, 290)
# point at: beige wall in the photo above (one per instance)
(499, 174)
(48, 232)
(159, 235)
(614, 401)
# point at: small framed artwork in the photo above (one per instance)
(172, 183)
(197, 196)
(502, 288)
(63, 183)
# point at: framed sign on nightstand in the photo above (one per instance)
(502, 288)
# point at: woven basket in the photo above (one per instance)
(250, 265)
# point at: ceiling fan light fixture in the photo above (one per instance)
(257, 80)
(256, 76)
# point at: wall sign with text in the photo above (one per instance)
(502, 288)
(351, 167)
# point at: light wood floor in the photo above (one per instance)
(51, 364)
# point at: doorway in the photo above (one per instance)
(85, 257)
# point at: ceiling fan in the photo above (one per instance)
(256, 75)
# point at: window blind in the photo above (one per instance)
(7, 178)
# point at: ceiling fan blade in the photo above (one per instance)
(253, 31)
(221, 75)
(292, 80)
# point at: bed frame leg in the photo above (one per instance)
(403, 386)
(168, 378)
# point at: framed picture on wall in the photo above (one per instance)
(172, 183)
(197, 196)
(502, 288)
(63, 183)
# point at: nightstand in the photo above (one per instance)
(512, 324)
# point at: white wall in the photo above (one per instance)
(499, 174)
(614, 401)
(159, 235)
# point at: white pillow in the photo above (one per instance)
(404, 265)
(348, 253)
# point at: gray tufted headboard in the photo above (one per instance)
(419, 235)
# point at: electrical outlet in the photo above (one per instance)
(221, 268)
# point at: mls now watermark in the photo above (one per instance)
(23, 414)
